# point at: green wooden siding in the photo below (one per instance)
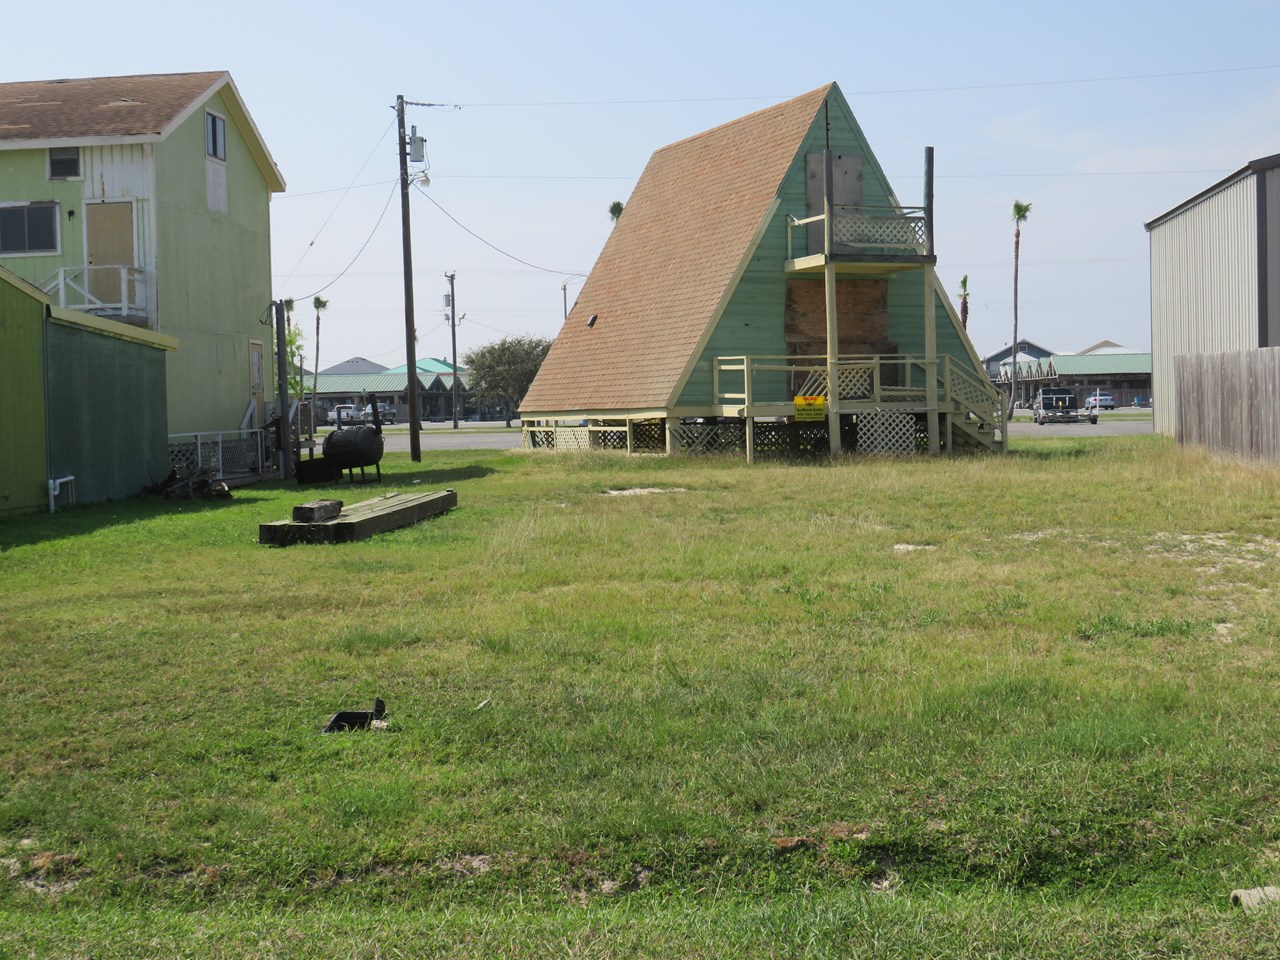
(906, 321)
(214, 276)
(753, 321)
(106, 410)
(22, 464)
(24, 176)
(751, 324)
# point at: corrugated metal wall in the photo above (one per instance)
(22, 462)
(1204, 286)
(107, 423)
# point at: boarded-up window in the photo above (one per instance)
(862, 317)
(846, 184)
(215, 174)
(862, 322)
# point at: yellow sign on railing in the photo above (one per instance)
(811, 408)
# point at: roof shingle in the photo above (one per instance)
(669, 262)
(98, 106)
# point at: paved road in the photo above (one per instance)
(470, 435)
(1105, 427)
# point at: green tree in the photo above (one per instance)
(502, 371)
(964, 302)
(293, 352)
(319, 304)
(1020, 213)
(615, 210)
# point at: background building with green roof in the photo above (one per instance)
(1125, 376)
(435, 396)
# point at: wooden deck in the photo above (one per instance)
(360, 521)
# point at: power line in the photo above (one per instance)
(872, 93)
(317, 193)
(348, 189)
(358, 252)
(893, 176)
(510, 256)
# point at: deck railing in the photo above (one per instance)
(902, 230)
(879, 381)
(109, 291)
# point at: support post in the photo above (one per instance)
(928, 200)
(673, 439)
(453, 335)
(931, 360)
(833, 329)
(282, 380)
(410, 332)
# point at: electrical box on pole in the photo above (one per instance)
(417, 151)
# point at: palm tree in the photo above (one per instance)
(319, 305)
(615, 210)
(1020, 213)
(964, 302)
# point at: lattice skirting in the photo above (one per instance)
(887, 431)
(870, 432)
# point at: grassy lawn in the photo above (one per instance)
(881, 708)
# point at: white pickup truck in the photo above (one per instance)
(349, 414)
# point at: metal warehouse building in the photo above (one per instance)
(1215, 279)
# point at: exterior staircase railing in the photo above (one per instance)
(107, 291)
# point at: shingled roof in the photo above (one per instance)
(670, 263)
(142, 108)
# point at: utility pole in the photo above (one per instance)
(282, 379)
(410, 333)
(453, 335)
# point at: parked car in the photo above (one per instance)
(347, 413)
(1099, 401)
(386, 413)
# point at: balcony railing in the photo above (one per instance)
(764, 385)
(875, 230)
(112, 291)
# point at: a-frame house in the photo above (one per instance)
(754, 265)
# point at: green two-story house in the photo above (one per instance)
(146, 200)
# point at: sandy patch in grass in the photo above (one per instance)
(1214, 552)
(474, 866)
(643, 491)
(910, 547)
(49, 873)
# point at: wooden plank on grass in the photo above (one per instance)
(360, 521)
(316, 510)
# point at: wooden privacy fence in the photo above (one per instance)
(1230, 402)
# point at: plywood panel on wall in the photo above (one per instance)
(862, 317)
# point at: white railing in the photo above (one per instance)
(881, 381)
(221, 454)
(103, 291)
(901, 230)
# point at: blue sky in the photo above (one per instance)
(1102, 115)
